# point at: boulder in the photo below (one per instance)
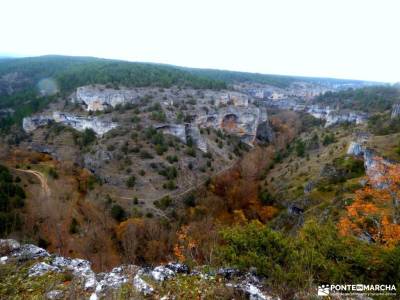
(42, 268)
(178, 268)
(113, 279)
(162, 273)
(142, 286)
(8, 245)
(29, 251)
(55, 294)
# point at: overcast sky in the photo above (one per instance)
(357, 39)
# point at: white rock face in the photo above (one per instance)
(114, 279)
(355, 149)
(395, 111)
(333, 117)
(142, 286)
(194, 132)
(178, 130)
(100, 285)
(183, 132)
(30, 124)
(239, 120)
(375, 166)
(29, 251)
(9, 244)
(162, 273)
(42, 268)
(343, 117)
(235, 98)
(79, 123)
(254, 292)
(93, 296)
(97, 98)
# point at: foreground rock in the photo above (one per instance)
(143, 283)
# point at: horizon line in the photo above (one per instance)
(18, 56)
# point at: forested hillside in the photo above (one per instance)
(19, 78)
(369, 99)
(71, 72)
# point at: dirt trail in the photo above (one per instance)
(42, 179)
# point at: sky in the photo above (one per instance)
(355, 39)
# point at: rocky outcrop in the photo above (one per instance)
(96, 161)
(101, 285)
(333, 117)
(79, 123)
(375, 166)
(178, 130)
(233, 98)
(288, 104)
(395, 111)
(30, 124)
(98, 98)
(241, 121)
(194, 132)
(355, 148)
(338, 117)
(184, 132)
(248, 122)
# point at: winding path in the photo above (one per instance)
(42, 179)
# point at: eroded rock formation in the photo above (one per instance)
(243, 121)
(375, 165)
(395, 111)
(331, 116)
(98, 98)
(79, 123)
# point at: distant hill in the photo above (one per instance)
(281, 81)
(19, 78)
(71, 72)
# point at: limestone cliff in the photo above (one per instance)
(98, 98)
(79, 123)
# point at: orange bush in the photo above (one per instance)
(374, 208)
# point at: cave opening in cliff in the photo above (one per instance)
(230, 122)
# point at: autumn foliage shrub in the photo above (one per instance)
(317, 254)
(375, 209)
